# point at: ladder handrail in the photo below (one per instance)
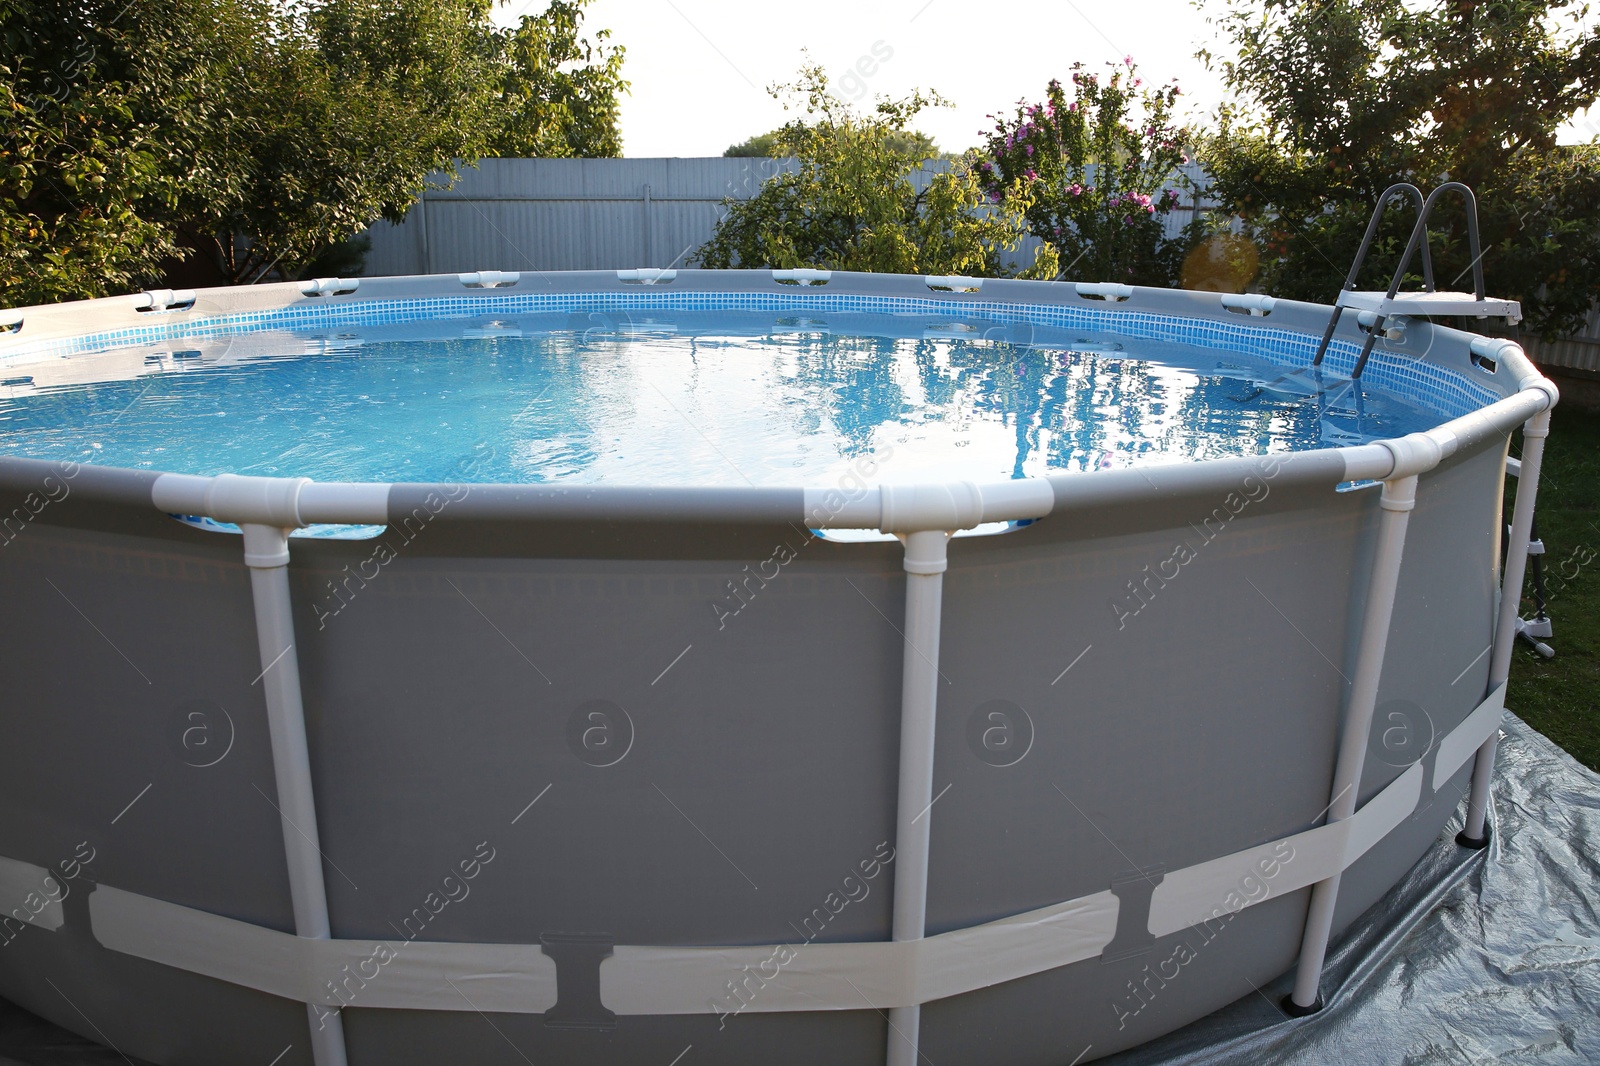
(1372, 232)
(1398, 190)
(1419, 235)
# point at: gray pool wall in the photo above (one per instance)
(1193, 718)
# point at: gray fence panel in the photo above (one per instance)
(595, 214)
(1578, 352)
(566, 214)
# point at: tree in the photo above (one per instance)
(560, 94)
(223, 141)
(74, 163)
(913, 144)
(1100, 172)
(1341, 98)
(852, 203)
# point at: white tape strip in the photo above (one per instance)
(1200, 893)
(640, 980)
(519, 978)
(31, 894)
(397, 973)
(1463, 742)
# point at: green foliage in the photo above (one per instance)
(71, 171)
(851, 203)
(758, 146)
(220, 141)
(914, 144)
(1099, 172)
(560, 94)
(1344, 97)
(1558, 696)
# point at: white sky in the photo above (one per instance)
(700, 68)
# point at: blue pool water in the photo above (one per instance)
(730, 398)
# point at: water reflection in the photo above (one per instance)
(672, 398)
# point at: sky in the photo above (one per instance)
(700, 68)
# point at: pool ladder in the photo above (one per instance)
(1383, 306)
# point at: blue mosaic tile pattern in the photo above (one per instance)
(1446, 391)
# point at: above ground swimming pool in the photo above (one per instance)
(657, 667)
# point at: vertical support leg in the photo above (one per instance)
(1475, 835)
(925, 561)
(266, 553)
(1399, 497)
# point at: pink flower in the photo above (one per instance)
(1072, 106)
(1128, 60)
(1029, 149)
(1030, 175)
(1076, 189)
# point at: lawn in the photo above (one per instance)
(1560, 697)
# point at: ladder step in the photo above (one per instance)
(1430, 303)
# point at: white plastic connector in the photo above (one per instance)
(647, 275)
(1367, 462)
(910, 508)
(264, 546)
(803, 276)
(1105, 290)
(329, 286)
(1399, 494)
(1513, 466)
(1256, 303)
(1415, 453)
(1491, 346)
(490, 279)
(927, 551)
(267, 501)
(954, 282)
(1017, 499)
(164, 300)
(1446, 439)
(1507, 353)
(344, 502)
(1394, 326)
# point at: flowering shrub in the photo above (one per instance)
(851, 202)
(1101, 171)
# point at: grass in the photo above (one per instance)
(1560, 697)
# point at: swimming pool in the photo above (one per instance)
(569, 737)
